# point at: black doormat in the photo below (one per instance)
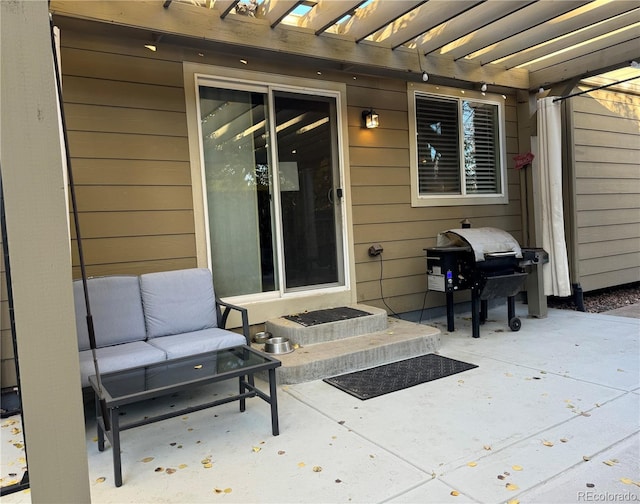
(323, 316)
(396, 376)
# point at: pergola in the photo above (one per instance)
(520, 44)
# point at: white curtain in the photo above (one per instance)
(547, 181)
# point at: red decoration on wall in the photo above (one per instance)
(523, 160)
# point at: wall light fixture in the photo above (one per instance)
(370, 119)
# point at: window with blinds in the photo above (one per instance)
(458, 148)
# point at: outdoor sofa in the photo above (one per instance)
(140, 320)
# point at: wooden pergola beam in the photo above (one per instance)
(191, 22)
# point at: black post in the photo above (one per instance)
(74, 206)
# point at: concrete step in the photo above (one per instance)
(400, 340)
(329, 331)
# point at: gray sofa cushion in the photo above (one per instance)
(192, 343)
(117, 357)
(178, 301)
(116, 309)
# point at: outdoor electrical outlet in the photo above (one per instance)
(375, 250)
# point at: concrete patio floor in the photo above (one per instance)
(550, 415)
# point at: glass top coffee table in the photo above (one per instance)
(137, 384)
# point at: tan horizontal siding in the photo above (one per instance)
(607, 217)
(100, 64)
(608, 233)
(89, 144)
(610, 279)
(103, 118)
(607, 171)
(133, 198)
(139, 223)
(608, 248)
(135, 249)
(607, 165)
(122, 94)
(603, 264)
(606, 202)
(131, 172)
(137, 267)
(127, 131)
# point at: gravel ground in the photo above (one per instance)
(601, 300)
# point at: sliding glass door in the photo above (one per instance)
(272, 191)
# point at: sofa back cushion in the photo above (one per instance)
(178, 301)
(116, 309)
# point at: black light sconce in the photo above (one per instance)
(370, 119)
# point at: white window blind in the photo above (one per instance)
(458, 147)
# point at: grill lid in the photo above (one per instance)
(484, 241)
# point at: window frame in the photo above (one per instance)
(429, 200)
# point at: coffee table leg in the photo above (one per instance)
(273, 396)
(99, 430)
(242, 389)
(115, 446)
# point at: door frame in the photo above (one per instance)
(263, 306)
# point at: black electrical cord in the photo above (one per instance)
(381, 293)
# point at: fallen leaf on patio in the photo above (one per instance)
(341, 422)
(610, 462)
(170, 470)
(460, 381)
(207, 466)
(338, 480)
(455, 493)
(101, 479)
(95, 439)
(317, 469)
(172, 444)
(584, 413)
(159, 469)
(508, 375)
(256, 449)
(199, 366)
(18, 445)
(547, 443)
(511, 486)
(472, 464)
(627, 481)
(586, 458)
(218, 490)
(295, 345)
(590, 485)
(227, 490)
(15, 430)
(281, 452)
(301, 464)
(501, 476)
(516, 468)
(182, 466)
(147, 459)
(514, 501)
(487, 447)
(205, 461)
(620, 370)
(372, 456)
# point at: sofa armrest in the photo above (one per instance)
(224, 314)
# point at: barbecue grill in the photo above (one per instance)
(487, 261)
